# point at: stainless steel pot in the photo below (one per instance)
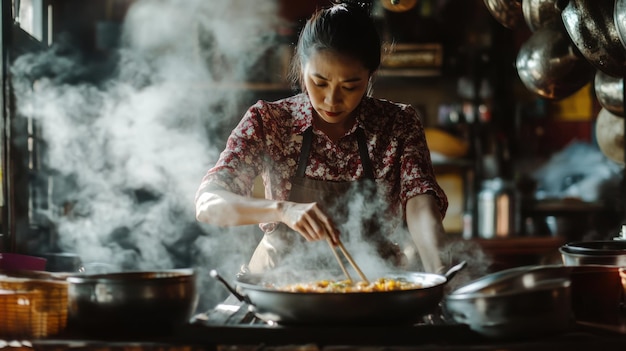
(354, 308)
(590, 25)
(549, 64)
(599, 297)
(531, 301)
(607, 252)
(131, 303)
(518, 302)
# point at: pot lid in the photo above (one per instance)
(514, 281)
(610, 135)
(596, 248)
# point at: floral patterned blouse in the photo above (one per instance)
(268, 141)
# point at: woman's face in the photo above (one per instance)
(335, 84)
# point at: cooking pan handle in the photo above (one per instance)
(454, 270)
(232, 290)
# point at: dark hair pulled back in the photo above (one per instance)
(345, 28)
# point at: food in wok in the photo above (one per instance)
(347, 286)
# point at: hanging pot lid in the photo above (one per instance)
(619, 19)
(398, 5)
(610, 135)
(609, 91)
(596, 248)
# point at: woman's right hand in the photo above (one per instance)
(309, 220)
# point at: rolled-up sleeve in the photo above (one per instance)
(238, 165)
(416, 170)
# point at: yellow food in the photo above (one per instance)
(344, 286)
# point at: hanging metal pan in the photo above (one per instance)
(550, 66)
(619, 19)
(539, 12)
(610, 135)
(590, 25)
(609, 91)
(507, 12)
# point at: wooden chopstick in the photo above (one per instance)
(343, 267)
(351, 260)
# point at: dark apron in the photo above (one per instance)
(284, 246)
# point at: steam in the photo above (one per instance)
(128, 141)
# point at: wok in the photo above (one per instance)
(355, 308)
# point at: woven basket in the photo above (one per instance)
(32, 307)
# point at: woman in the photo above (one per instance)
(329, 156)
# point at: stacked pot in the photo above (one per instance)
(601, 279)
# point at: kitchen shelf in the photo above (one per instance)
(409, 72)
(565, 207)
(520, 251)
(446, 163)
(244, 86)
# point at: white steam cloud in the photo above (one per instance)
(125, 154)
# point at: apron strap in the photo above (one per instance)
(304, 152)
(368, 170)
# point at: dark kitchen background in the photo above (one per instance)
(114, 109)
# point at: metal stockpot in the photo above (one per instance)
(607, 252)
(132, 303)
(600, 290)
(537, 300)
(518, 302)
